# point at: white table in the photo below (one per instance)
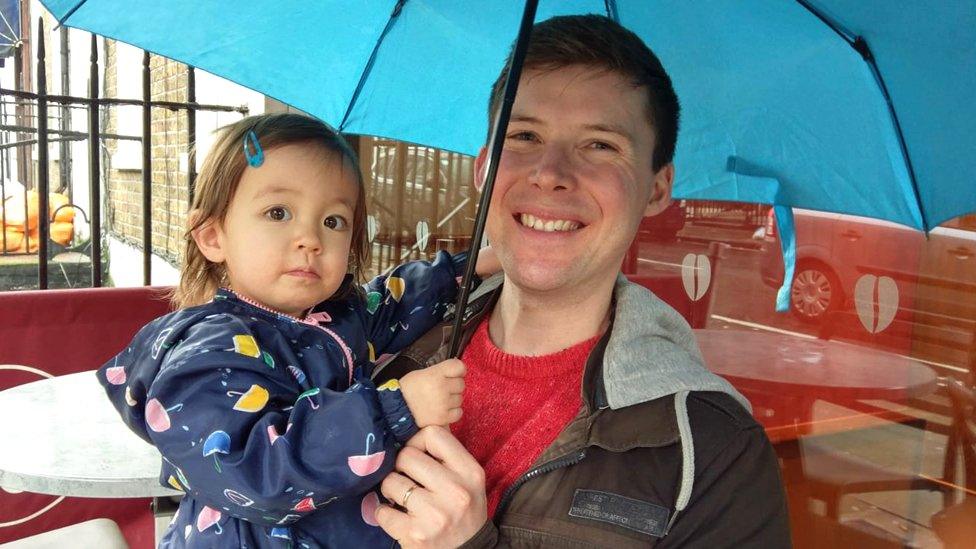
(62, 436)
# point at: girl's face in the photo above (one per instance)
(285, 240)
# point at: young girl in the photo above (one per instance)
(256, 391)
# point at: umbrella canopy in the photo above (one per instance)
(851, 106)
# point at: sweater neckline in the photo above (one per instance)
(551, 365)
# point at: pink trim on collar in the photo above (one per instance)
(250, 301)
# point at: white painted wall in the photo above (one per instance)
(125, 266)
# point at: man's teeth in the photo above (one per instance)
(549, 226)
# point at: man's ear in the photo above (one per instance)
(207, 237)
(661, 191)
(480, 165)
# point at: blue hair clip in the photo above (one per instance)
(256, 158)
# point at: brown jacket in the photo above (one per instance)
(621, 474)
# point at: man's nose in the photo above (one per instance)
(554, 170)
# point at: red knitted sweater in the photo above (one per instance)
(515, 406)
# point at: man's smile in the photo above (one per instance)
(548, 225)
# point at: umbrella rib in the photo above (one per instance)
(394, 15)
(831, 24)
(69, 14)
(860, 45)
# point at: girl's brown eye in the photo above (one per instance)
(336, 222)
(278, 214)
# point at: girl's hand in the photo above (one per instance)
(434, 393)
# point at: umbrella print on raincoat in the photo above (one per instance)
(217, 443)
(368, 507)
(273, 435)
(246, 345)
(298, 374)
(157, 415)
(115, 375)
(238, 498)
(306, 505)
(209, 517)
(366, 464)
(281, 532)
(859, 107)
(252, 400)
(309, 394)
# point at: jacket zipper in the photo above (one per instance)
(548, 467)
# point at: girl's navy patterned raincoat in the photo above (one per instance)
(270, 424)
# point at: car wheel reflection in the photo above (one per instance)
(814, 293)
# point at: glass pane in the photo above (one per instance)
(420, 199)
(865, 386)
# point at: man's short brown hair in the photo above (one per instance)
(601, 43)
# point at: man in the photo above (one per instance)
(589, 419)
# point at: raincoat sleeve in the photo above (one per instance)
(411, 300)
(246, 435)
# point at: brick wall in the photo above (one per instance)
(169, 144)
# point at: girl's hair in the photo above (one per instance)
(218, 180)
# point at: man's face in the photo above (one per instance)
(575, 179)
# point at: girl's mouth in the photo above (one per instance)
(304, 273)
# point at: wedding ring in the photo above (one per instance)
(406, 496)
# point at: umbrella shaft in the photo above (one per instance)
(496, 143)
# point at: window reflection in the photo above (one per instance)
(421, 198)
(865, 387)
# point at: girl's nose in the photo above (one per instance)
(308, 240)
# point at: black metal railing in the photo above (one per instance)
(41, 99)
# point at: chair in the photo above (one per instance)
(677, 289)
(829, 475)
(56, 332)
(956, 523)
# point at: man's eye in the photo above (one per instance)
(522, 136)
(336, 222)
(278, 213)
(602, 146)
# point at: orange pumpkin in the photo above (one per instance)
(13, 211)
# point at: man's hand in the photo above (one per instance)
(433, 394)
(444, 488)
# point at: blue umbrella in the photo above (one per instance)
(852, 106)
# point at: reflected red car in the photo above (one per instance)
(873, 268)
